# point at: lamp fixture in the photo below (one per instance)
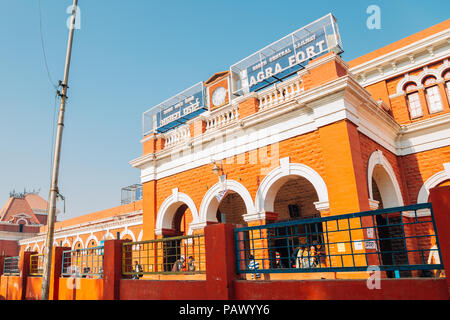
(216, 169)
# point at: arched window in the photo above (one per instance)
(412, 96)
(446, 77)
(433, 95)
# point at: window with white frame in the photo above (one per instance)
(433, 95)
(412, 96)
(447, 84)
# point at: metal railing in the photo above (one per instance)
(174, 255)
(401, 241)
(83, 263)
(11, 266)
(36, 264)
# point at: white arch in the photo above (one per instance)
(91, 237)
(406, 79)
(140, 235)
(36, 246)
(108, 236)
(267, 191)
(168, 209)
(385, 179)
(127, 231)
(66, 242)
(78, 239)
(28, 248)
(210, 204)
(432, 182)
(419, 78)
(22, 219)
(428, 72)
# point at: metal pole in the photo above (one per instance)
(56, 157)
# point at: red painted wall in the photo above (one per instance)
(398, 289)
(162, 290)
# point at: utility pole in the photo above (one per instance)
(56, 157)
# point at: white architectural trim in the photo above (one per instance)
(78, 239)
(91, 237)
(36, 248)
(22, 219)
(141, 234)
(267, 191)
(66, 242)
(404, 59)
(168, 209)
(108, 236)
(432, 182)
(129, 232)
(210, 204)
(386, 181)
(117, 222)
(418, 79)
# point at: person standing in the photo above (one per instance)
(254, 265)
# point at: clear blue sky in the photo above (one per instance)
(131, 55)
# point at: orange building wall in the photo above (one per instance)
(421, 166)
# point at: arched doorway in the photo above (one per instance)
(231, 209)
(390, 229)
(295, 199)
(175, 245)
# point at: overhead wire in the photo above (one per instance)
(43, 47)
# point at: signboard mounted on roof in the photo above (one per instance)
(286, 56)
(175, 111)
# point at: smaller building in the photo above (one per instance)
(21, 217)
(23, 224)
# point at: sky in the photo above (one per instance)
(131, 55)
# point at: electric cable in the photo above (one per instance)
(43, 47)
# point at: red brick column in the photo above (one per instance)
(440, 199)
(220, 261)
(56, 271)
(2, 261)
(24, 272)
(112, 269)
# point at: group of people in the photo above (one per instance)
(302, 256)
(308, 256)
(182, 265)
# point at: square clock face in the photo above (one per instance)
(218, 97)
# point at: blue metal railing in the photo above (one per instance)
(397, 240)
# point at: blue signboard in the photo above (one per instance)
(176, 110)
(285, 62)
(286, 56)
(174, 115)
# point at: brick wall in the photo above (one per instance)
(300, 192)
(419, 167)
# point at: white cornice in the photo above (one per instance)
(14, 236)
(405, 52)
(337, 100)
(91, 227)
